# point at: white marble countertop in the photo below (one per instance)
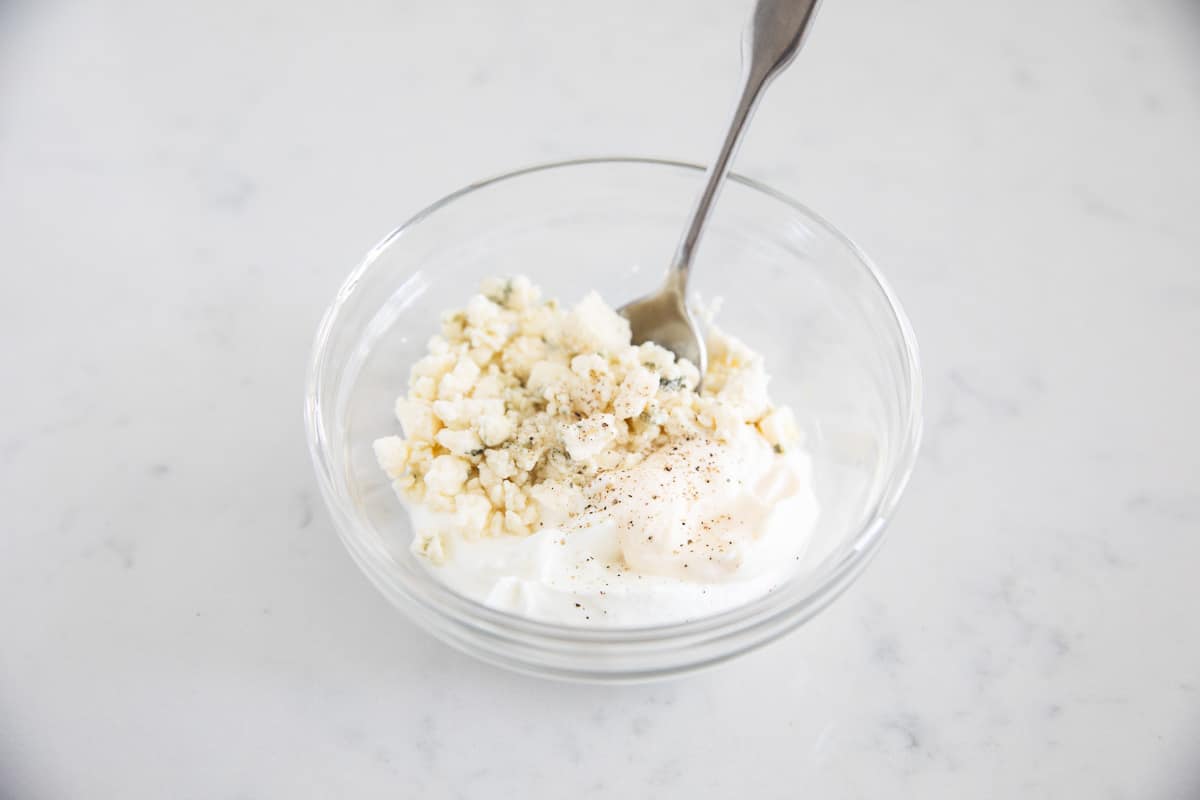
(182, 188)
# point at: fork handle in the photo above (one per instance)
(772, 39)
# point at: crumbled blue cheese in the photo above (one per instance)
(519, 405)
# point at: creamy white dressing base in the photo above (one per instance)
(563, 473)
(724, 526)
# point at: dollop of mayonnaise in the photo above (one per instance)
(683, 535)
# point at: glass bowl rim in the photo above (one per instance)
(827, 580)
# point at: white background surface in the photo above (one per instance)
(184, 185)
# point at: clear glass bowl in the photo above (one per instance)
(836, 343)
